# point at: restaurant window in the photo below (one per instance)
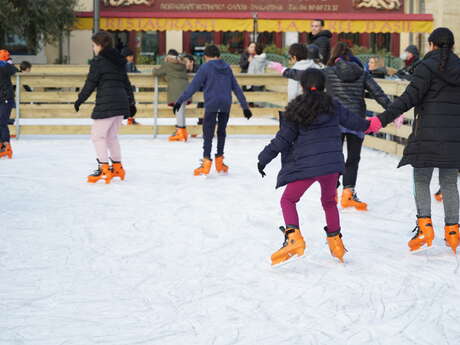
(199, 40)
(120, 39)
(380, 41)
(266, 38)
(16, 45)
(234, 41)
(352, 39)
(149, 43)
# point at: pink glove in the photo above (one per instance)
(374, 126)
(277, 67)
(399, 121)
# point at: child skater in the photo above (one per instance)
(434, 141)
(7, 70)
(114, 101)
(310, 141)
(218, 82)
(175, 71)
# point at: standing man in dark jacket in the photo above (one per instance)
(435, 139)
(7, 70)
(217, 80)
(114, 101)
(348, 82)
(321, 38)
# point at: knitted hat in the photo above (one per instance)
(413, 50)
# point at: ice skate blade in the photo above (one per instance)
(422, 249)
(290, 260)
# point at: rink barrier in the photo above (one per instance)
(48, 110)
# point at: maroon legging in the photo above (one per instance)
(294, 192)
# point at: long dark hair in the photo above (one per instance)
(314, 101)
(341, 50)
(444, 39)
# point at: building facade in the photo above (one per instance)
(151, 27)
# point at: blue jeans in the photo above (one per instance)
(211, 119)
(5, 113)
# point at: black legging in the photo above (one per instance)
(354, 145)
(5, 112)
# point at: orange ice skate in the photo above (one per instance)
(103, 172)
(118, 171)
(424, 234)
(438, 196)
(294, 244)
(350, 199)
(452, 237)
(220, 166)
(6, 151)
(204, 168)
(334, 240)
(180, 135)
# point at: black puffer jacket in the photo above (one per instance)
(6, 87)
(322, 41)
(114, 95)
(435, 138)
(347, 82)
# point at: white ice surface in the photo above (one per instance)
(167, 258)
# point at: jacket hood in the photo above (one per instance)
(262, 57)
(304, 64)
(323, 33)
(113, 56)
(451, 73)
(348, 71)
(219, 66)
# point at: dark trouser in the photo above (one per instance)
(354, 146)
(5, 112)
(448, 182)
(209, 127)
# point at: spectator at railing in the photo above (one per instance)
(411, 58)
(247, 56)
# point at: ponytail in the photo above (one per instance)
(304, 109)
(444, 57)
(442, 38)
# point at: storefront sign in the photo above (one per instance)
(210, 25)
(331, 6)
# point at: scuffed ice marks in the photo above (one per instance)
(165, 258)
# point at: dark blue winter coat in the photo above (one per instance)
(217, 80)
(313, 151)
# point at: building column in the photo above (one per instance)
(173, 40)
(279, 39)
(291, 38)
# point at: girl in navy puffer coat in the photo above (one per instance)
(311, 146)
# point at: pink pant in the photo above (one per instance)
(104, 134)
(294, 192)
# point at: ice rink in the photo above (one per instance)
(171, 259)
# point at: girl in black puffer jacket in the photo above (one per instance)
(347, 82)
(435, 140)
(114, 101)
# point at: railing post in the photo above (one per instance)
(155, 107)
(18, 104)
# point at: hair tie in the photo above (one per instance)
(313, 88)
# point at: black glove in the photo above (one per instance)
(261, 168)
(132, 110)
(176, 107)
(247, 113)
(76, 106)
